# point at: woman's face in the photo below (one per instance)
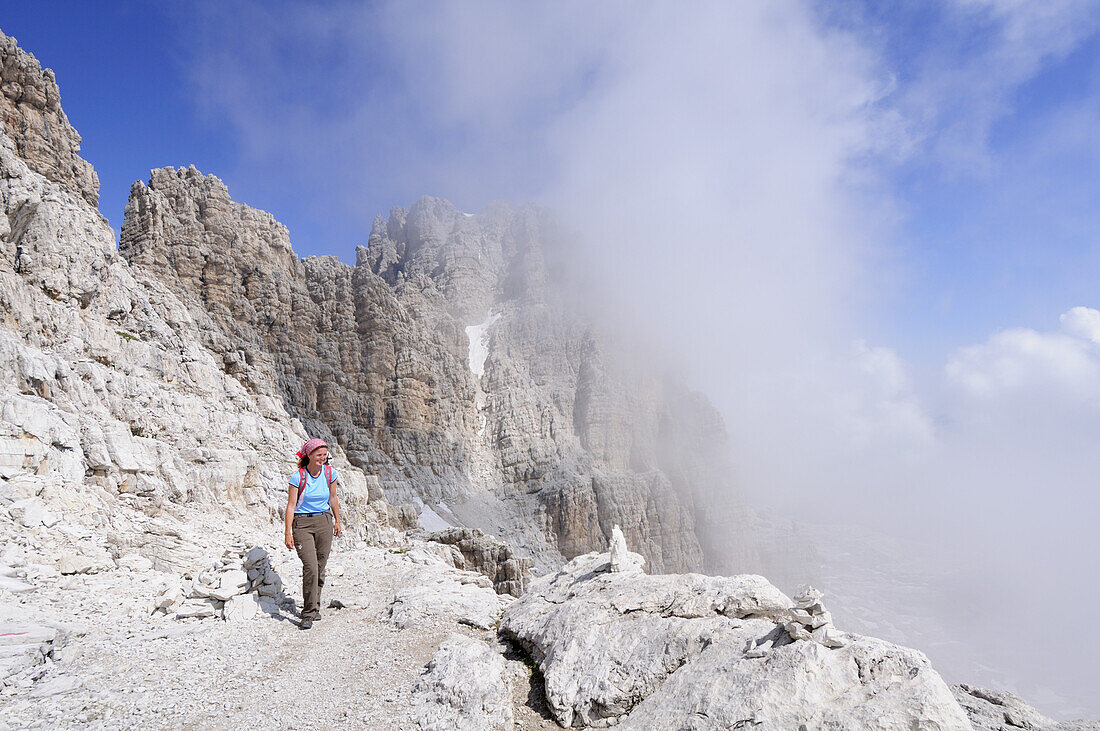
(318, 457)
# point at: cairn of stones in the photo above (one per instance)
(237, 587)
(809, 620)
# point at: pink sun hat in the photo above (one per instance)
(310, 447)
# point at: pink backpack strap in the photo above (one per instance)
(328, 474)
(301, 487)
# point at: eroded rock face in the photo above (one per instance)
(509, 573)
(119, 429)
(30, 109)
(448, 362)
(652, 651)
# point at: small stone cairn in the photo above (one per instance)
(808, 620)
(237, 587)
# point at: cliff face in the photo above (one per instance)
(119, 429)
(449, 362)
(30, 109)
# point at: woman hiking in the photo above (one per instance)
(309, 524)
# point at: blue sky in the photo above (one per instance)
(868, 229)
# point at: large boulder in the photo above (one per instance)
(464, 687)
(659, 651)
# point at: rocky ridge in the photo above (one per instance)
(30, 107)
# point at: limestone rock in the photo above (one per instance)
(32, 513)
(464, 687)
(651, 651)
(24, 647)
(621, 558)
(605, 640)
(14, 585)
(869, 684)
(403, 517)
(135, 563)
(994, 710)
(72, 563)
(241, 608)
(199, 609)
(30, 106)
(487, 555)
(431, 589)
(168, 600)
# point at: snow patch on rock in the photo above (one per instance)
(478, 336)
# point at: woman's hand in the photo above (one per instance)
(338, 529)
(290, 540)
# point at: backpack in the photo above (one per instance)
(303, 476)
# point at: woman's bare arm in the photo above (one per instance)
(291, 503)
(334, 503)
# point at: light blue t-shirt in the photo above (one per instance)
(316, 494)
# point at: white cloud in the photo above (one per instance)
(1082, 322)
(1024, 365)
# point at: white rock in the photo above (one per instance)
(808, 598)
(55, 686)
(9, 583)
(755, 650)
(74, 563)
(621, 558)
(135, 562)
(230, 584)
(651, 651)
(464, 688)
(41, 572)
(32, 513)
(168, 599)
(994, 710)
(797, 631)
(829, 637)
(870, 684)
(12, 555)
(605, 640)
(26, 634)
(802, 616)
(432, 591)
(198, 608)
(241, 608)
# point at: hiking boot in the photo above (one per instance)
(306, 623)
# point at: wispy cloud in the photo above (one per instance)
(981, 52)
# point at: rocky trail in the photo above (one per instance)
(112, 664)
